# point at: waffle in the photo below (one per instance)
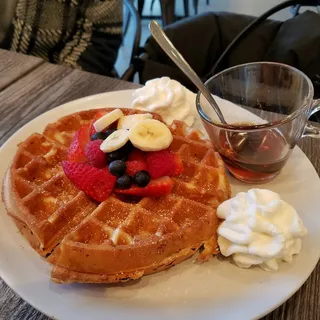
(119, 239)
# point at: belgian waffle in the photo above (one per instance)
(117, 240)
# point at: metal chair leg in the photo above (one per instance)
(295, 10)
(186, 7)
(167, 11)
(126, 25)
(195, 6)
(140, 6)
(152, 5)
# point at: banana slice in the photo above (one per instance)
(150, 135)
(115, 141)
(107, 119)
(127, 122)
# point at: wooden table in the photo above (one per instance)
(29, 87)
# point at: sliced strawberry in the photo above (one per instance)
(134, 166)
(96, 183)
(76, 151)
(137, 155)
(163, 163)
(97, 116)
(155, 188)
(96, 157)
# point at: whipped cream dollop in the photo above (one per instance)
(168, 98)
(259, 229)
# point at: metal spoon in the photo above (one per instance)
(168, 47)
(236, 140)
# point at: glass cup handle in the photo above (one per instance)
(312, 131)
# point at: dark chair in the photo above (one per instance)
(259, 20)
(212, 51)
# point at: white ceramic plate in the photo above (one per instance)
(214, 290)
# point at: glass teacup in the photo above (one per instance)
(267, 106)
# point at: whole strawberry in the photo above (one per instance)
(96, 183)
(95, 156)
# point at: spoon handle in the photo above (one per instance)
(165, 43)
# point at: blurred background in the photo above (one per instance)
(153, 8)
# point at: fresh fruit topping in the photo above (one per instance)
(115, 141)
(96, 183)
(135, 166)
(150, 135)
(120, 154)
(127, 148)
(124, 182)
(98, 136)
(117, 168)
(163, 163)
(95, 156)
(107, 119)
(102, 135)
(76, 151)
(99, 114)
(127, 122)
(116, 155)
(109, 132)
(137, 155)
(155, 188)
(141, 178)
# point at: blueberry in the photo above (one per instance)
(124, 158)
(98, 136)
(120, 154)
(141, 178)
(117, 168)
(102, 135)
(124, 182)
(127, 148)
(115, 155)
(108, 132)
